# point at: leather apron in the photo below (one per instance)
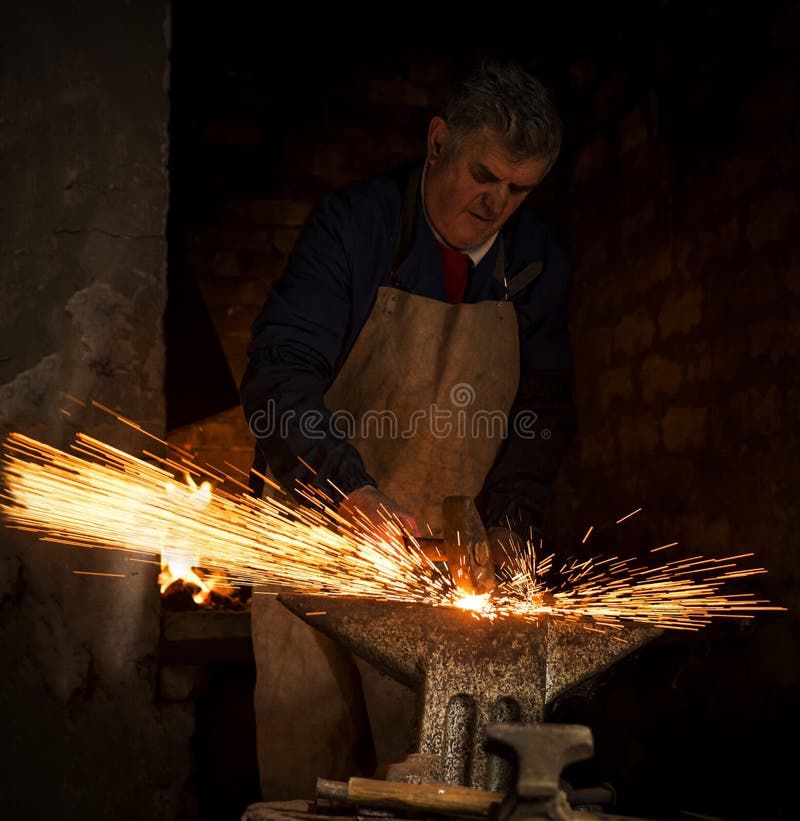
(424, 396)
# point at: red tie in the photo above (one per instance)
(456, 268)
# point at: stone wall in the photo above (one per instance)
(83, 137)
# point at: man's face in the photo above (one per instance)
(471, 191)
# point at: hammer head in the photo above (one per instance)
(464, 547)
(467, 547)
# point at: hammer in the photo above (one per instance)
(464, 546)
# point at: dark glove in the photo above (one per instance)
(504, 545)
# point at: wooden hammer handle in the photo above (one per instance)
(397, 795)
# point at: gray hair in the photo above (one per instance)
(512, 104)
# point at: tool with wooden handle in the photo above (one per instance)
(464, 546)
(444, 799)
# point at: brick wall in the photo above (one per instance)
(685, 310)
(685, 320)
(259, 136)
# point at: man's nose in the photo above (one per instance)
(494, 201)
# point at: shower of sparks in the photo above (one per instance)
(97, 496)
(663, 547)
(101, 497)
(628, 516)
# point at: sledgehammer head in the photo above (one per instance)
(467, 547)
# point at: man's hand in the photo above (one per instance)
(504, 545)
(369, 505)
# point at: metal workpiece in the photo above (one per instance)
(444, 652)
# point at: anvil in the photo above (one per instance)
(467, 672)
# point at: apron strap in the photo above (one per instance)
(524, 278)
(500, 267)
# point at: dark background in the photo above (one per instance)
(677, 196)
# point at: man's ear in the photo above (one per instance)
(438, 134)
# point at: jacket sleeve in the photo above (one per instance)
(296, 342)
(542, 421)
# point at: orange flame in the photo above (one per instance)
(174, 569)
(177, 565)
